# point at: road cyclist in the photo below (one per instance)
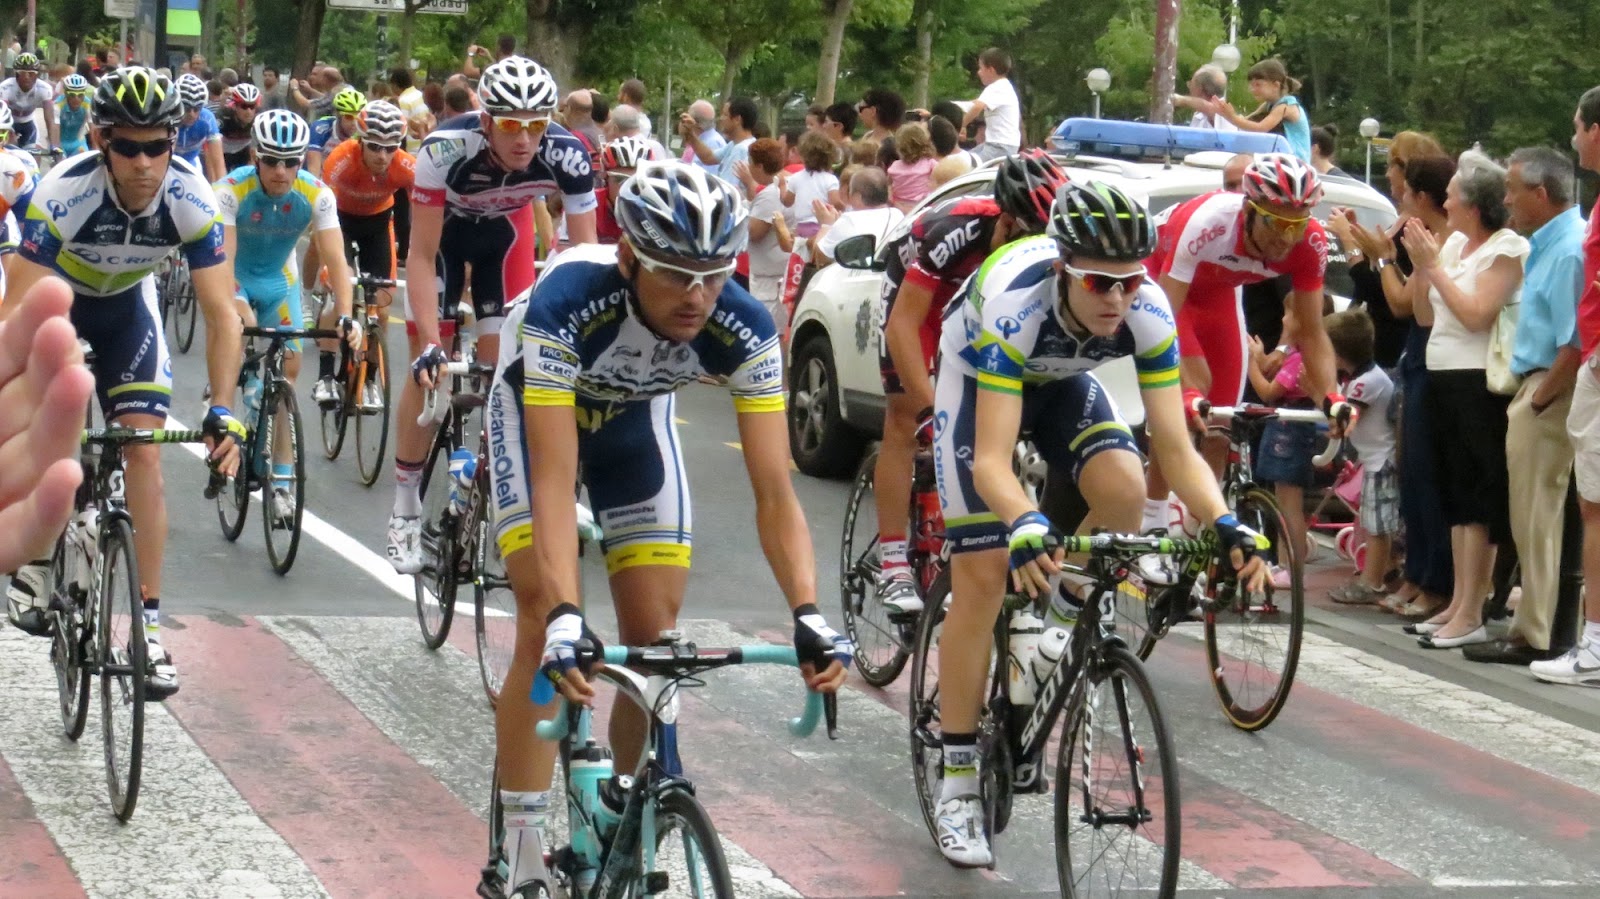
(199, 137)
(26, 93)
(72, 114)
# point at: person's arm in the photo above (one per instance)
(1558, 382)
(51, 127)
(21, 274)
(469, 66)
(427, 223)
(1268, 389)
(1194, 371)
(1318, 365)
(213, 289)
(785, 236)
(1182, 465)
(691, 139)
(314, 160)
(1477, 310)
(543, 225)
(330, 245)
(901, 334)
(998, 417)
(1268, 122)
(581, 227)
(973, 113)
(211, 158)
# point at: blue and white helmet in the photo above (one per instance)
(76, 84)
(281, 133)
(193, 90)
(675, 209)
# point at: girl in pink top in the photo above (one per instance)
(910, 176)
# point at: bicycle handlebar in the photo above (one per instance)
(432, 409)
(292, 333)
(119, 437)
(1250, 411)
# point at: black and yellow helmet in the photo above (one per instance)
(1096, 220)
(136, 97)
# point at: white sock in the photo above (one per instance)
(960, 769)
(1155, 514)
(527, 818)
(1591, 633)
(407, 489)
(892, 556)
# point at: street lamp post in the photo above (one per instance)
(1099, 81)
(1369, 130)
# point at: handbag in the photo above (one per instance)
(1502, 340)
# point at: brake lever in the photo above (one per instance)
(830, 713)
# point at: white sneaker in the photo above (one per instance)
(405, 543)
(1580, 666)
(282, 507)
(898, 594)
(325, 393)
(961, 836)
(26, 600)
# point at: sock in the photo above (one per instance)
(325, 365)
(960, 766)
(892, 555)
(152, 618)
(1068, 600)
(407, 489)
(1155, 514)
(1591, 633)
(527, 819)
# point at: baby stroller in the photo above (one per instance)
(1338, 515)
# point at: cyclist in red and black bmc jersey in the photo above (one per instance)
(1215, 243)
(945, 245)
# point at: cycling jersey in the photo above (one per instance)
(1202, 244)
(24, 103)
(76, 227)
(1004, 332)
(74, 124)
(356, 189)
(578, 342)
(945, 245)
(235, 139)
(325, 134)
(456, 171)
(266, 229)
(192, 139)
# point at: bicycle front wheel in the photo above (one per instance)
(335, 420)
(494, 612)
(927, 735)
(372, 421)
(1117, 816)
(72, 637)
(880, 651)
(233, 500)
(186, 310)
(1253, 640)
(688, 861)
(435, 585)
(283, 531)
(123, 659)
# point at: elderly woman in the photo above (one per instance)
(1467, 281)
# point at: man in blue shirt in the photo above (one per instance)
(1540, 190)
(701, 121)
(739, 117)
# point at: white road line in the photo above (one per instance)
(192, 835)
(350, 549)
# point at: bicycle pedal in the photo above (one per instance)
(656, 882)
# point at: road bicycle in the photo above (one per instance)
(641, 833)
(272, 413)
(364, 395)
(179, 307)
(1117, 815)
(97, 609)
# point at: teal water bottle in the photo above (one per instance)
(586, 770)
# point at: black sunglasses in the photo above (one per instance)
(132, 149)
(274, 162)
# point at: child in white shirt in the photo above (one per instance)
(1372, 392)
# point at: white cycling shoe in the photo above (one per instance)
(961, 838)
(898, 594)
(405, 543)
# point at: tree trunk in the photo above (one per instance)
(732, 61)
(1166, 73)
(308, 35)
(555, 46)
(838, 16)
(1388, 39)
(922, 15)
(1315, 56)
(211, 18)
(1417, 64)
(408, 29)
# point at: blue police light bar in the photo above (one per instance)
(1109, 137)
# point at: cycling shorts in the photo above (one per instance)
(132, 369)
(25, 132)
(1070, 421)
(1214, 319)
(373, 236)
(501, 252)
(632, 464)
(928, 332)
(275, 299)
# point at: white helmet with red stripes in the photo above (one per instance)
(1283, 180)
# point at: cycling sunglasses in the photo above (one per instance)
(1283, 224)
(686, 279)
(133, 149)
(1105, 282)
(380, 148)
(511, 125)
(279, 162)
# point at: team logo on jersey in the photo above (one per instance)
(572, 160)
(1205, 237)
(1007, 326)
(954, 242)
(256, 216)
(178, 195)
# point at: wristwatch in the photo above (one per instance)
(1379, 264)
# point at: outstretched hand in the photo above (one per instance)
(44, 390)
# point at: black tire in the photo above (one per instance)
(74, 635)
(335, 422)
(1253, 643)
(494, 610)
(434, 587)
(681, 822)
(881, 652)
(824, 445)
(233, 500)
(927, 753)
(1131, 717)
(186, 310)
(164, 290)
(122, 665)
(282, 542)
(372, 428)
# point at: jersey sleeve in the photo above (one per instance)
(1370, 389)
(1155, 339)
(403, 173)
(550, 358)
(1009, 317)
(40, 242)
(942, 243)
(1189, 241)
(574, 178)
(1309, 260)
(210, 131)
(324, 210)
(743, 324)
(227, 202)
(199, 219)
(15, 184)
(432, 169)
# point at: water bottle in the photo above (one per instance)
(613, 800)
(585, 771)
(463, 469)
(1053, 645)
(1024, 632)
(250, 387)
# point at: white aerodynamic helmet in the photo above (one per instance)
(517, 84)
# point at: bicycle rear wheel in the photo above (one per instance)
(494, 611)
(880, 652)
(372, 425)
(1253, 640)
(186, 309)
(688, 859)
(1117, 816)
(927, 736)
(123, 661)
(73, 636)
(435, 585)
(283, 535)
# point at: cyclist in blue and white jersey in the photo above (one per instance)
(103, 221)
(199, 139)
(265, 208)
(332, 130)
(477, 177)
(587, 370)
(25, 92)
(72, 114)
(1017, 351)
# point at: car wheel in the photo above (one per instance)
(823, 444)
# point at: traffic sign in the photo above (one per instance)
(122, 9)
(432, 7)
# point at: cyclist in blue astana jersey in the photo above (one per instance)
(587, 371)
(104, 221)
(72, 113)
(1018, 349)
(265, 208)
(199, 140)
